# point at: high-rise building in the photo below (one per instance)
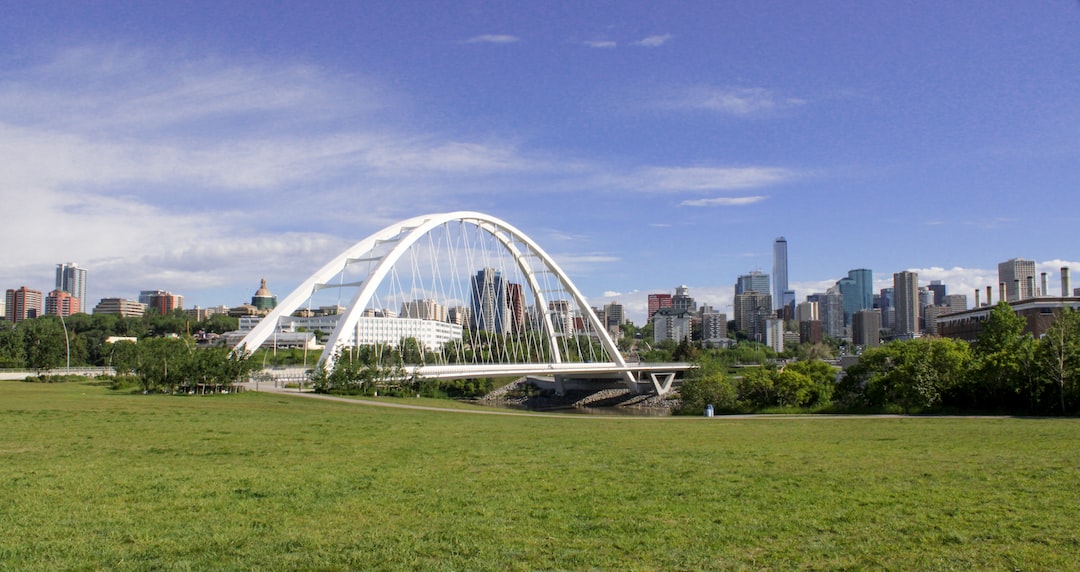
(906, 300)
(72, 279)
(862, 327)
(752, 308)
(886, 304)
(755, 281)
(774, 334)
(714, 329)
(515, 302)
(857, 290)
(808, 312)
(614, 317)
(811, 332)
(832, 313)
(866, 328)
(672, 324)
(930, 315)
(956, 302)
(490, 311)
(657, 301)
(562, 316)
(22, 304)
(425, 309)
(939, 292)
(61, 303)
(458, 315)
(1018, 275)
(780, 273)
(682, 299)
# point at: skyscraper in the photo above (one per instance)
(751, 311)
(906, 301)
(489, 301)
(61, 303)
(857, 292)
(755, 281)
(832, 313)
(657, 301)
(72, 279)
(779, 273)
(22, 304)
(682, 299)
(939, 291)
(1018, 275)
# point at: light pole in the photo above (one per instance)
(67, 341)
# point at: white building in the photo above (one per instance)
(774, 334)
(370, 330)
(671, 324)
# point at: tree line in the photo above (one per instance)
(40, 343)
(1005, 371)
(164, 357)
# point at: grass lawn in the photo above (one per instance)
(95, 480)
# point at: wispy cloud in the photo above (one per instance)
(711, 178)
(493, 39)
(738, 101)
(584, 263)
(601, 44)
(654, 41)
(723, 202)
(133, 162)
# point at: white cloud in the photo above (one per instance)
(711, 178)
(134, 163)
(607, 44)
(739, 101)
(723, 201)
(581, 264)
(654, 41)
(493, 39)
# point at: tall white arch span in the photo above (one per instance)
(403, 235)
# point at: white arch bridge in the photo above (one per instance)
(454, 296)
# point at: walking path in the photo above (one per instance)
(374, 403)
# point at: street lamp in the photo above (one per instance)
(67, 340)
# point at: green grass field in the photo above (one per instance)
(94, 480)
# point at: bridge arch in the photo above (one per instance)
(528, 256)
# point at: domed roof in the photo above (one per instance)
(263, 292)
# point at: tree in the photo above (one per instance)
(792, 388)
(756, 388)
(12, 346)
(1000, 360)
(1058, 355)
(823, 377)
(219, 324)
(706, 385)
(45, 343)
(911, 374)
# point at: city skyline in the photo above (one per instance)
(958, 281)
(645, 147)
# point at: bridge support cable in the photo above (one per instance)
(440, 258)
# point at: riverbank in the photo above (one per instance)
(523, 394)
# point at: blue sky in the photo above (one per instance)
(200, 146)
